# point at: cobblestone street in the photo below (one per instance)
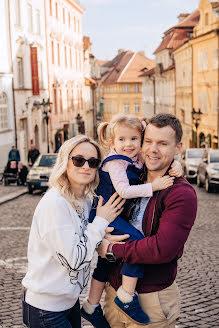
(198, 270)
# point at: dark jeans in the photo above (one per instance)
(36, 318)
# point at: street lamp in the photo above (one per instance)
(46, 110)
(196, 118)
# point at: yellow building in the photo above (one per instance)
(183, 80)
(205, 50)
(122, 84)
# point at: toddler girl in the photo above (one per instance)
(120, 172)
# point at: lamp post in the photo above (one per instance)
(46, 110)
(196, 118)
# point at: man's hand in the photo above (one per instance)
(114, 238)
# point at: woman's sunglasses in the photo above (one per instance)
(80, 161)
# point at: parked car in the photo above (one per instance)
(190, 160)
(208, 170)
(38, 175)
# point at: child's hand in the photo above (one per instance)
(162, 183)
(176, 169)
(111, 209)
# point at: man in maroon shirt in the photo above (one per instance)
(166, 224)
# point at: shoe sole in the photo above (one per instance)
(127, 316)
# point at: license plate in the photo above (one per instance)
(44, 184)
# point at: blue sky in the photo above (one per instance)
(130, 24)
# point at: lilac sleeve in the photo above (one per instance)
(118, 176)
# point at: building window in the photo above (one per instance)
(4, 124)
(206, 19)
(69, 20)
(58, 53)
(50, 7)
(137, 108)
(17, 12)
(63, 15)
(60, 100)
(29, 18)
(126, 88)
(66, 62)
(52, 50)
(215, 58)
(20, 72)
(37, 22)
(215, 103)
(136, 88)
(70, 56)
(126, 108)
(57, 11)
(55, 100)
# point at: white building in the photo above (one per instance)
(29, 61)
(7, 132)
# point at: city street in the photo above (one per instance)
(197, 276)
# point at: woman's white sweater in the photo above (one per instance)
(60, 249)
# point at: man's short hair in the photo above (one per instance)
(162, 120)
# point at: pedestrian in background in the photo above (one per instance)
(62, 242)
(165, 220)
(14, 154)
(33, 153)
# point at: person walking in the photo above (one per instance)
(166, 220)
(33, 153)
(62, 242)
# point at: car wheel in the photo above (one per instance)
(199, 183)
(30, 189)
(207, 185)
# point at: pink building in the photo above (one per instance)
(65, 69)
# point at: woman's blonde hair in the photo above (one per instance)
(106, 130)
(59, 179)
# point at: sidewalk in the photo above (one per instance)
(10, 192)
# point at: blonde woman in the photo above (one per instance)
(62, 242)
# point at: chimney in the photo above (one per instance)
(181, 17)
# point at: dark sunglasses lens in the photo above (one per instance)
(93, 163)
(78, 161)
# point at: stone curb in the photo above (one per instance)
(12, 196)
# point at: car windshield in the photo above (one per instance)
(214, 156)
(47, 160)
(195, 153)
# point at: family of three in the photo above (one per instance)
(138, 191)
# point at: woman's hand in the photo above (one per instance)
(111, 209)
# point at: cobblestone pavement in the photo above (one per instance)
(197, 276)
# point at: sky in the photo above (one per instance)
(136, 25)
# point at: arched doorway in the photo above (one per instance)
(58, 141)
(208, 141)
(201, 140)
(36, 136)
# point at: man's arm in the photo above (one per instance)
(175, 224)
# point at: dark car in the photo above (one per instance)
(208, 170)
(38, 176)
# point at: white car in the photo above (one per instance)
(208, 170)
(39, 174)
(190, 160)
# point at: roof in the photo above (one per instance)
(178, 34)
(147, 72)
(127, 67)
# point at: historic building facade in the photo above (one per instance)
(28, 52)
(7, 126)
(205, 63)
(65, 69)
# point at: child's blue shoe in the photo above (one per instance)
(130, 306)
(94, 316)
